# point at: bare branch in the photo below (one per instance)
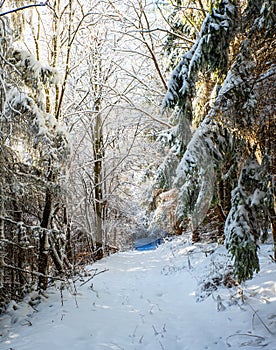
(182, 37)
(33, 273)
(25, 7)
(96, 273)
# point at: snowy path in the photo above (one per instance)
(146, 300)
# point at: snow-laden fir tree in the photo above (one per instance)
(247, 221)
(237, 47)
(206, 55)
(34, 147)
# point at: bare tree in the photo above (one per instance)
(111, 116)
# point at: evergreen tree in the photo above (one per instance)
(237, 48)
(247, 221)
(34, 148)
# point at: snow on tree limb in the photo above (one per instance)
(230, 127)
(209, 52)
(248, 217)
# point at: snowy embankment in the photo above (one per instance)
(171, 298)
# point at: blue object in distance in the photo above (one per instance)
(146, 244)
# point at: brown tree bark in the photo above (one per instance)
(98, 183)
(2, 237)
(43, 241)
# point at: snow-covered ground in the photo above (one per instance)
(170, 298)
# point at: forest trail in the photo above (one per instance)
(148, 300)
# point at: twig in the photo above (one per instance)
(155, 331)
(95, 274)
(61, 294)
(262, 322)
(162, 346)
(117, 346)
(189, 261)
(166, 31)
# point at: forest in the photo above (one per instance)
(121, 120)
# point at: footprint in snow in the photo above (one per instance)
(240, 340)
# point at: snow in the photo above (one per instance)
(150, 300)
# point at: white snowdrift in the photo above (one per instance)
(168, 299)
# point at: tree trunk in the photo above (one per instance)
(43, 241)
(2, 237)
(272, 216)
(98, 151)
(68, 244)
